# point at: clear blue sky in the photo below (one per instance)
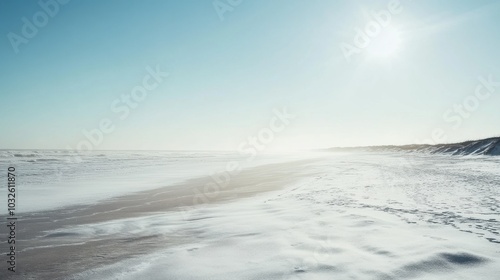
(226, 76)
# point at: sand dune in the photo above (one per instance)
(489, 146)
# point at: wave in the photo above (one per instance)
(24, 155)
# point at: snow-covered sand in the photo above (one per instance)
(360, 217)
(55, 178)
(346, 216)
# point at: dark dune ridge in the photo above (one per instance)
(487, 147)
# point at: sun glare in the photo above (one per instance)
(385, 44)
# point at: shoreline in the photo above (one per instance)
(64, 254)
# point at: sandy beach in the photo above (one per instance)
(343, 216)
(64, 253)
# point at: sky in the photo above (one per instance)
(212, 75)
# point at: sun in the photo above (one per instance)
(386, 44)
